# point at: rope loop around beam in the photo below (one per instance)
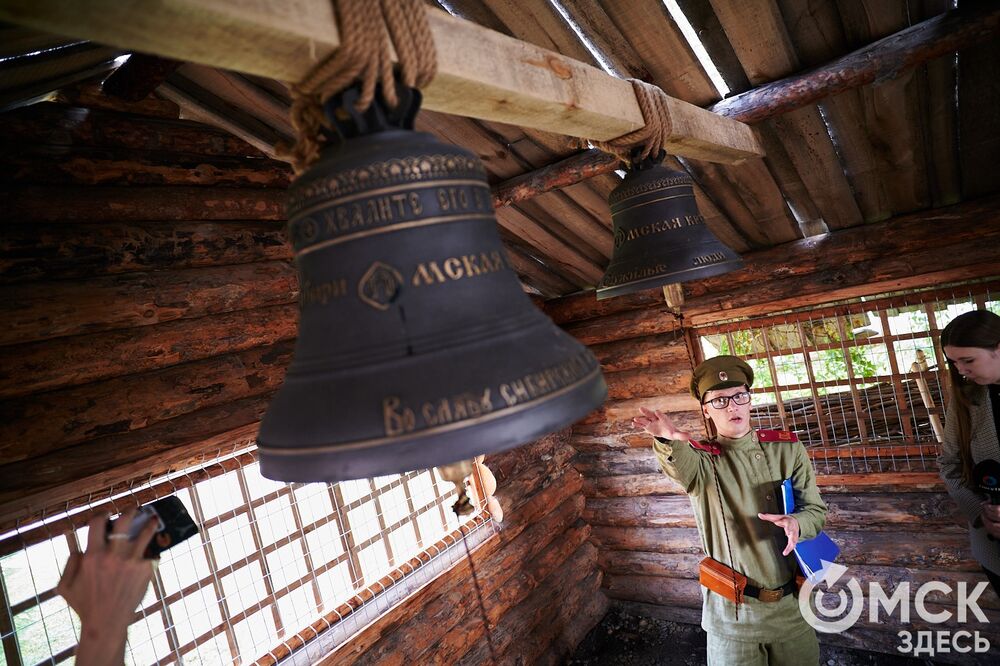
(369, 29)
(649, 138)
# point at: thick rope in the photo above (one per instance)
(369, 29)
(653, 103)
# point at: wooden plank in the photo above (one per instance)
(898, 136)
(665, 53)
(978, 126)
(33, 425)
(818, 38)
(481, 73)
(45, 251)
(71, 361)
(888, 256)
(757, 33)
(43, 310)
(941, 121)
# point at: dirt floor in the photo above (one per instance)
(622, 639)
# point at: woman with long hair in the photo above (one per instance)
(971, 343)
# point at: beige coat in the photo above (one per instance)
(984, 447)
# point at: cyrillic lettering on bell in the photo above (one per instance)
(322, 293)
(707, 259)
(397, 420)
(461, 407)
(545, 381)
(457, 268)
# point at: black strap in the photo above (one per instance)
(786, 589)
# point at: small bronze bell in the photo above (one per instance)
(417, 346)
(659, 236)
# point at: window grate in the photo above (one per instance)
(862, 383)
(274, 565)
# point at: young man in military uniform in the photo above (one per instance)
(734, 483)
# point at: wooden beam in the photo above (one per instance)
(885, 59)
(574, 169)
(481, 73)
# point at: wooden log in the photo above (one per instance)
(583, 306)
(536, 524)
(687, 593)
(919, 550)
(512, 462)
(56, 125)
(632, 485)
(623, 411)
(575, 169)
(63, 251)
(59, 478)
(468, 637)
(38, 164)
(33, 426)
(875, 511)
(637, 563)
(569, 583)
(481, 73)
(43, 310)
(908, 251)
(630, 324)
(576, 624)
(647, 382)
(667, 349)
(53, 364)
(125, 204)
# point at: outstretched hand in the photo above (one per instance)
(787, 522)
(104, 586)
(658, 424)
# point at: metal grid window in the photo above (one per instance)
(271, 558)
(859, 382)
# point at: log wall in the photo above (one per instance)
(149, 301)
(891, 527)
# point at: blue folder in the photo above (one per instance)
(816, 554)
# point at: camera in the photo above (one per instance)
(174, 525)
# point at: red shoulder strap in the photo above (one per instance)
(777, 436)
(708, 447)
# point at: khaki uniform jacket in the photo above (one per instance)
(749, 474)
(984, 447)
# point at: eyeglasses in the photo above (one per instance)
(741, 398)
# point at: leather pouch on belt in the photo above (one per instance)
(722, 579)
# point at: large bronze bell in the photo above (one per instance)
(659, 236)
(417, 345)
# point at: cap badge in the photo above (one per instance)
(723, 377)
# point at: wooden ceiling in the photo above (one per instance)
(926, 138)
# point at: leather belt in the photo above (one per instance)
(770, 595)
